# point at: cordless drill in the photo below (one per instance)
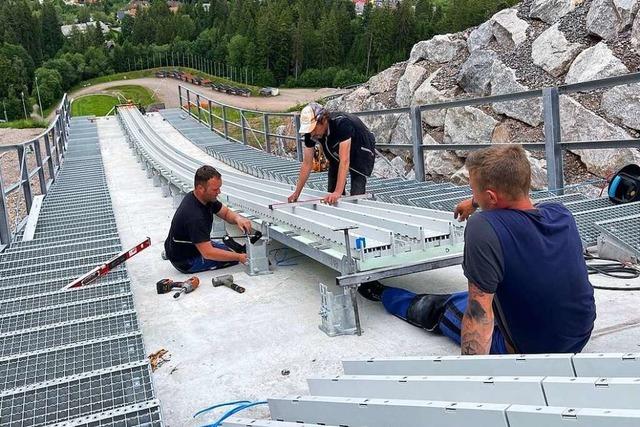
(167, 285)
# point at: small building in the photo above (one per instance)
(68, 29)
(174, 5)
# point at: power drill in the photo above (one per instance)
(167, 285)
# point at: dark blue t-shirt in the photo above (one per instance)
(533, 262)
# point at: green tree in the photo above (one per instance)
(68, 73)
(49, 85)
(185, 27)
(84, 15)
(51, 30)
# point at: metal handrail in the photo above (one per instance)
(55, 144)
(552, 145)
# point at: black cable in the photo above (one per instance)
(613, 268)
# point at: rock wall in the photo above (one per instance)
(538, 43)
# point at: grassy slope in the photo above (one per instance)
(93, 105)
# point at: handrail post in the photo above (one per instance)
(267, 140)
(38, 153)
(552, 138)
(24, 178)
(198, 107)
(47, 149)
(5, 228)
(225, 125)
(180, 96)
(416, 140)
(210, 116)
(296, 125)
(188, 102)
(243, 124)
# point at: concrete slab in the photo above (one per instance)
(226, 346)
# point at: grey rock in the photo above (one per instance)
(579, 124)
(428, 94)
(480, 37)
(410, 80)
(467, 125)
(383, 168)
(440, 49)
(635, 32)
(461, 177)
(508, 29)
(381, 125)
(550, 11)
(538, 172)
(607, 18)
(442, 163)
(597, 62)
(623, 103)
(385, 81)
(552, 52)
(475, 73)
(504, 81)
(402, 132)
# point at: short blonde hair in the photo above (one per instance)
(504, 168)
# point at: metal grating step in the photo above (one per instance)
(586, 220)
(61, 402)
(64, 334)
(87, 263)
(57, 297)
(29, 290)
(22, 261)
(79, 240)
(73, 311)
(72, 360)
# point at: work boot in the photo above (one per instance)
(372, 290)
(426, 311)
(234, 246)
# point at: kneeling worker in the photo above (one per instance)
(529, 289)
(189, 246)
(347, 144)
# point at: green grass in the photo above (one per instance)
(136, 94)
(24, 124)
(93, 105)
(114, 77)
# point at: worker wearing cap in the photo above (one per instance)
(347, 144)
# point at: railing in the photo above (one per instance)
(553, 146)
(28, 169)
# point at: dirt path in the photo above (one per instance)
(166, 91)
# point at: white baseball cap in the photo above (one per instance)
(309, 117)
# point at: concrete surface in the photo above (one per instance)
(227, 346)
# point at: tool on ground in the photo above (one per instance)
(186, 287)
(318, 200)
(227, 280)
(103, 269)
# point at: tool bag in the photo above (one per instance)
(624, 186)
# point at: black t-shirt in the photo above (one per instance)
(191, 224)
(344, 126)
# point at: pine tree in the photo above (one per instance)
(51, 30)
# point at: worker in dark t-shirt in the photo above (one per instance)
(189, 246)
(347, 144)
(529, 289)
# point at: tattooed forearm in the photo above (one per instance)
(477, 323)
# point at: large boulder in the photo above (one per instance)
(550, 11)
(607, 18)
(385, 168)
(381, 125)
(468, 125)
(480, 37)
(552, 52)
(504, 81)
(635, 32)
(579, 124)
(538, 172)
(351, 102)
(597, 62)
(410, 80)
(441, 163)
(428, 94)
(440, 49)
(402, 132)
(623, 103)
(387, 80)
(475, 73)
(509, 30)
(461, 177)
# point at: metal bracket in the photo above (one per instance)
(258, 262)
(337, 313)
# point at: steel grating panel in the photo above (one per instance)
(62, 251)
(146, 414)
(51, 271)
(18, 290)
(61, 259)
(587, 205)
(62, 297)
(65, 313)
(586, 220)
(62, 334)
(67, 361)
(448, 204)
(72, 240)
(59, 232)
(625, 230)
(566, 198)
(61, 402)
